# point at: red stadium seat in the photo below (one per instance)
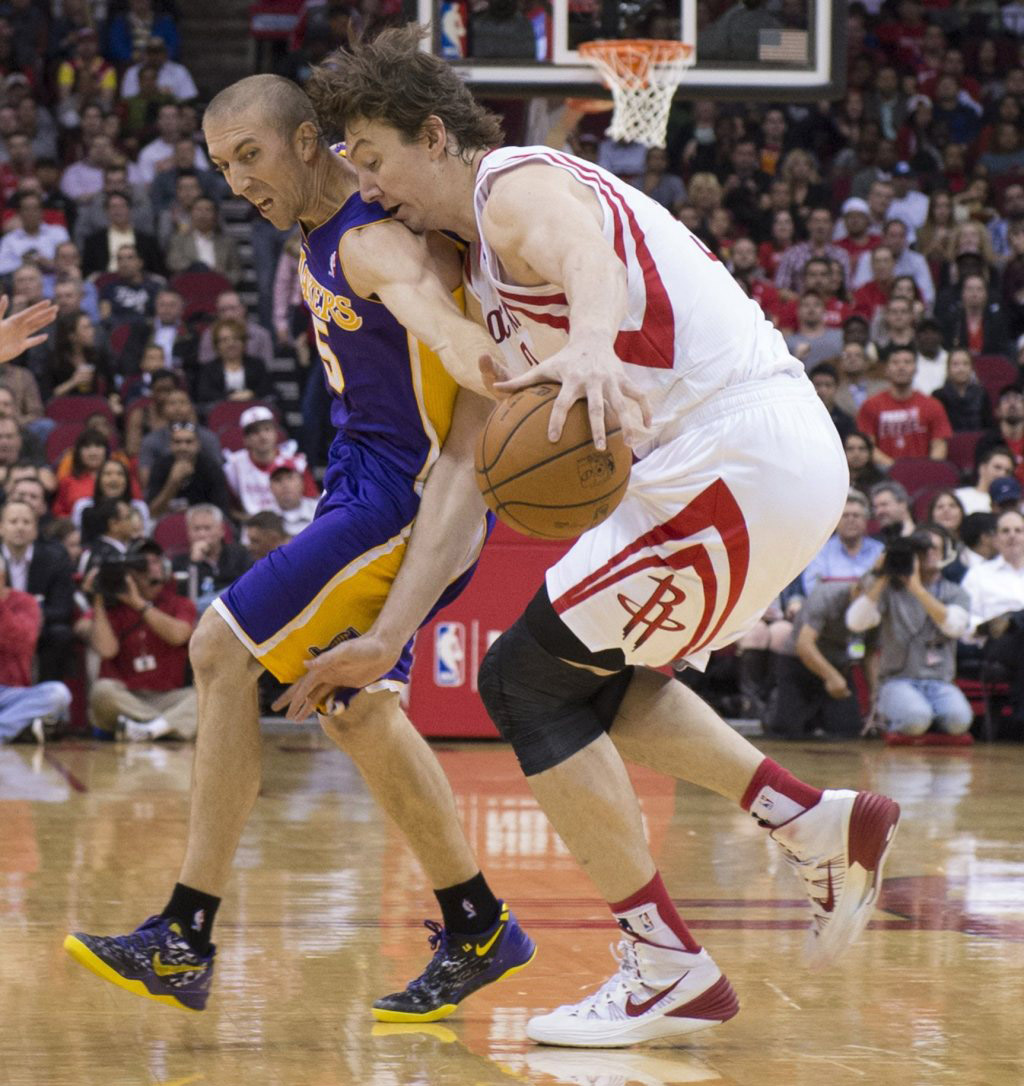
(171, 532)
(101, 279)
(960, 450)
(199, 290)
(995, 372)
(918, 474)
(77, 408)
(60, 439)
(229, 412)
(231, 437)
(119, 337)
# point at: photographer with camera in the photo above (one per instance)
(920, 616)
(141, 628)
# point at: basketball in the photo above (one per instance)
(551, 490)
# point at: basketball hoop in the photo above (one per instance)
(643, 75)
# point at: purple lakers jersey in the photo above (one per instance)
(388, 390)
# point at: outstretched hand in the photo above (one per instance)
(597, 376)
(354, 664)
(20, 332)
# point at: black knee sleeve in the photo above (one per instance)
(546, 708)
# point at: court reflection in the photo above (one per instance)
(325, 911)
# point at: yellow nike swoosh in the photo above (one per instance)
(482, 950)
(162, 970)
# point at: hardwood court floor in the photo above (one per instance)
(325, 912)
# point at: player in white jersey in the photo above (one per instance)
(740, 478)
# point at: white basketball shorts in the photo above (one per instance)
(715, 523)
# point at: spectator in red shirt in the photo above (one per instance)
(783, 236)
(868, 299)
(817, 277)
(901, 421)
(859, 239)
(25, 710)
(747, 271)
(142, 635)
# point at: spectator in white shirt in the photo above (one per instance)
(247, 470)
(906, 262)
(996, 463)
(287, 485)
(159, 154)
(907, 203)
(172, 77)
(82, 180)
(34, 240)
(932, 357)
(996, 592)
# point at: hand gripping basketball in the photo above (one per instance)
(543, 488)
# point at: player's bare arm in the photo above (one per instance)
(22, 330)
(446, 536)
(546, 228)
(414, 276)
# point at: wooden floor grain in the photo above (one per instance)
(326, 908)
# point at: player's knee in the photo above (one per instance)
(546, 708)
(365, 717)
(214, 650)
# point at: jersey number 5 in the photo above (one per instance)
(331, 364)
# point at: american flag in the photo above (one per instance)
(782, 46)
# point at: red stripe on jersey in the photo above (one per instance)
(532, 299)
(657, 333)
(716, 508)
(552, 320)
(653, 344)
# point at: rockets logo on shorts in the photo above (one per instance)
(654, 613)
(449, 654)
(676, 584)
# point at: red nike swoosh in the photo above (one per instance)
(634, 1010)
(830, 900)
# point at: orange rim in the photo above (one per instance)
(634, 55)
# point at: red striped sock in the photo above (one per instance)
(775, 796)
(650, 914)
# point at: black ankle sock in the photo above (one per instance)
(195, 911)
(468, 908)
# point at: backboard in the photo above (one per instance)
(774, 50)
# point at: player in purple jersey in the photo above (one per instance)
(404, 438)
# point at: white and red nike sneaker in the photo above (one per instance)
(656, 993)
(837, 848)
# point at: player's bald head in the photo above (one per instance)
(274, 101)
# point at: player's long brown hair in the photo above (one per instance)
(390, 79)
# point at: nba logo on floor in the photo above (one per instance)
(449, 654)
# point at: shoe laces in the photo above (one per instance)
(438, 940)
(624, 981)
(143, 934)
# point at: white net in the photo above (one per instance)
(643, 76)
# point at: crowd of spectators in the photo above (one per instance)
(883, 235)
(143, 462)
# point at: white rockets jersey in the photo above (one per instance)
(689, 331)
(250, 482)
